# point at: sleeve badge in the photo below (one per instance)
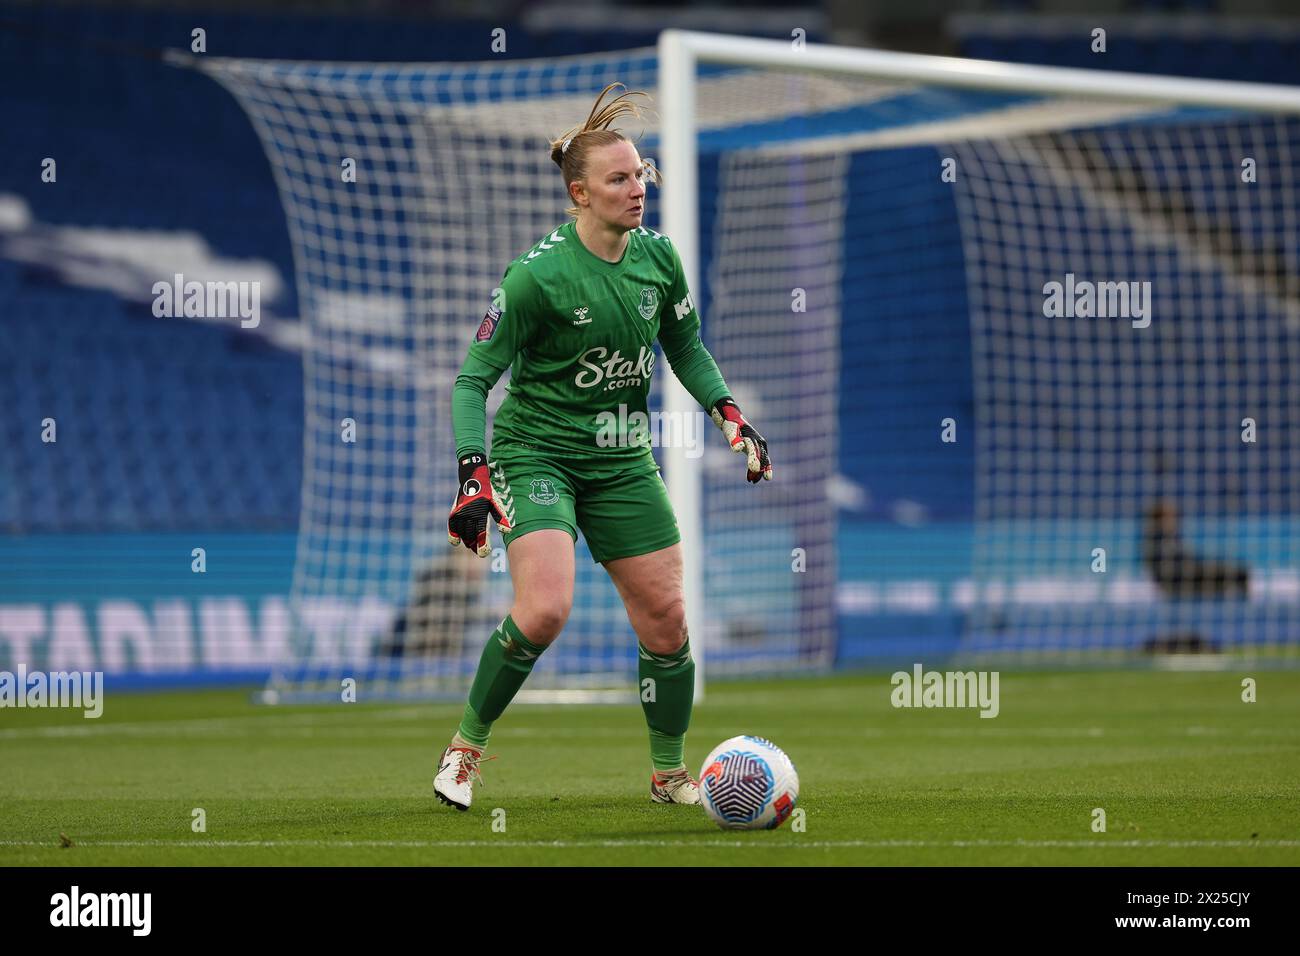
(489, 325)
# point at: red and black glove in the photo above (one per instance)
(467, 524)
(744, 438)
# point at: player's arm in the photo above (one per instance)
(468, 522)
(501, 335)
(695, 368)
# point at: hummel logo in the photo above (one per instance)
(581, 316)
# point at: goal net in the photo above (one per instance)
(1115, 280)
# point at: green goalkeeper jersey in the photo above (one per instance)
(578, 334)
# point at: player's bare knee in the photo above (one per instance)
(541, 621)
(666, 628)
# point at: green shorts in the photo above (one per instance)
(622, 510)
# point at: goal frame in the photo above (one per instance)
(682, 51)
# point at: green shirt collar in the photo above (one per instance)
(570, 231)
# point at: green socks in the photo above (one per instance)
(507, 661)
(667, 684)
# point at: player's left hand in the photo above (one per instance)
(744, 438)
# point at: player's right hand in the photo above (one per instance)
(467, 524)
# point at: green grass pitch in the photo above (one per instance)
(1187, 773)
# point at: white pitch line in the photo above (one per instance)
(198, 725)
(341, 724)
(727, 844)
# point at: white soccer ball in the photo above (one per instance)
(748, 783)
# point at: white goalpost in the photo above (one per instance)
(1032, 590)
(806, 191)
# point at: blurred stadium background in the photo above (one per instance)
(182, 433)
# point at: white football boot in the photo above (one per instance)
(457, 770)
(673, 786)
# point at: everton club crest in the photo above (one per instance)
(649, 305)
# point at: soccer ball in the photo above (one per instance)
(748, 783)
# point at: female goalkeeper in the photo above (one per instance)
(579, 315)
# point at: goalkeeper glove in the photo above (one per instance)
(467, 523)
(744, 438)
